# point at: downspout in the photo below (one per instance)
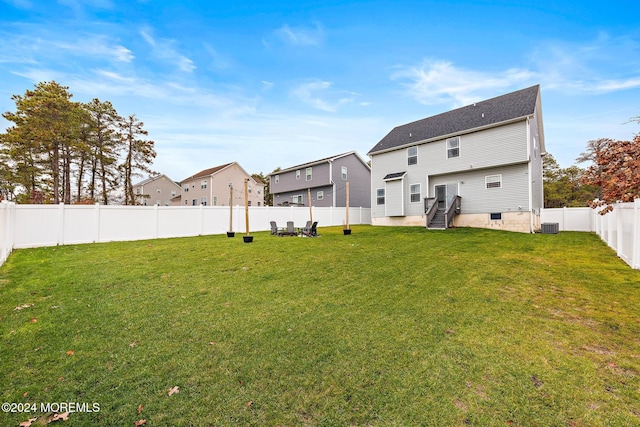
(211, 191)
(530, 180)
(333, 185)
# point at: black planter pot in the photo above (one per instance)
(346, 232)
(231, 233)
(247, 239)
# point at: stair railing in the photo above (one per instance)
(453, 209)
(430, 208)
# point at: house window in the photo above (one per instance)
(298, 174)
(453, 147)
(259, 204)
(412, 155)
(203, 201)
(277, 177)
(297, 199)
(493, 181)
(496, 216)
(248, 202)
(203, 184)
(250, 189)
(158, 191)
(194, 202)
(186, 188)
(415, 192)
(320, 195)
(308, 170)
(344, 173)
(215, 200)
(380, 196)
(173, 194)
(137, 191)
(186, 202)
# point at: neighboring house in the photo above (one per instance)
(480, 164)
(156, 190)
(326, 181)
(210, 187)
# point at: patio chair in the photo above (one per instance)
(310, 231)
(291, 231)
(275, 230)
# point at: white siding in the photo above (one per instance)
(511, 197)
(492, 147)
(394, 199)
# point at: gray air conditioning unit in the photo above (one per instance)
(550, 228)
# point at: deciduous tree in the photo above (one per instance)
(615, 169)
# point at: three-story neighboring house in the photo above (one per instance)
(477, 166)
(325, 180)
(210, 187)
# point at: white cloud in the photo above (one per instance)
(319, 95)
(302, 36)
(579, 68)
(437, 82)
(164, 49)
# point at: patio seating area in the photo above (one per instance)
(309, 230)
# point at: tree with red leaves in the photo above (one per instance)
(615, 170)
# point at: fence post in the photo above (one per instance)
(61, 223)
(619, 230)
(635, 257)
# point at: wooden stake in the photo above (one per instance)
(347, 209)
(310, 207)
(246, 204)
(230, 207)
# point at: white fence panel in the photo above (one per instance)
(569, 219)
(7, 217)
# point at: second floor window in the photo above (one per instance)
(344, 173)
(203, 184)
(453, 147)
(277, 178)
(298, 174)
(308, 174)
(412, 155)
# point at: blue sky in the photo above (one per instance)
(277, 83)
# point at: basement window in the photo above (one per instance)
(496, 216)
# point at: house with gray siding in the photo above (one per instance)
(475, 166)
(325, 180)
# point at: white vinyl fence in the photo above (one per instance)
(620, 228)
(27, 226)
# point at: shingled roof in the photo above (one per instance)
(514, 105)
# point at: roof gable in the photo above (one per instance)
(207, 172)
(521, 103)
(320, 161)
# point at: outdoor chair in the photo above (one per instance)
(275, 230)
(291, 231)
(310, 231)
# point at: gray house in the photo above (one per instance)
(326, 181)
(476, 166)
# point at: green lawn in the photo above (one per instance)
(389, 326)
